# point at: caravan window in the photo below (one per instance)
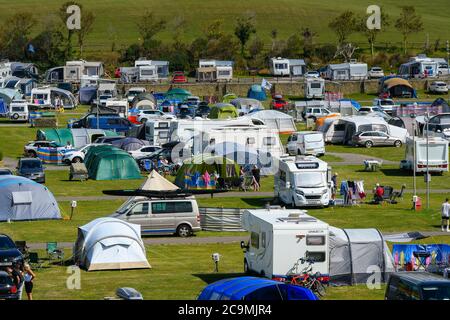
(269, 141)
(315, 240)
(146, 72)
(224, 72)
(315, 85)
(254, 240)
(250, 140)
(316, 256)
(280, 65)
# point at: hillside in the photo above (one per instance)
(115, 19)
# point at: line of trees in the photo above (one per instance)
(55, 43)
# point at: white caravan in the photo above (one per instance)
(214, 70)
(279, 238)
(303, 181)
(75, 70)
(314, 88)
(437, 155)
(50, 97)
(306, 143)
(157, 131)
(279, 67)
(118, 105)
(347, 71)
(147, 71)
(18, 110)
(419, 67)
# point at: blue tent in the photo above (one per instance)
(256, 92)
(3, 107)
(354, 103)
(88, 94)
(252, 288)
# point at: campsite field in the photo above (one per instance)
(111, 26)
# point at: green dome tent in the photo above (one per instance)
(229, 97)
(110, 163)
(223, 111)
(177, 94)
(199, 164)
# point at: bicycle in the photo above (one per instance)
(306, 278)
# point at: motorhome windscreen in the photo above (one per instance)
(435, 152)
(309, 180)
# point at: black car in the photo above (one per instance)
(5, 172)
(8, 291)
(31, 168)
(417, 286)
(9, 253)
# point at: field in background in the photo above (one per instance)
(116, 19)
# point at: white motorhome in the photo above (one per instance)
(74, 70)
(280, 238)
(214, 70)
(279, 67)
(419, 67)
(443, 67)
(303, 181)
(437, 155)
(341, 130)
(347, 71)
(314, 88)
(157, 131)
(306, 143)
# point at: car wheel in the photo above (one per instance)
(369, 144)
(184, 230)
(77, 160)
(397, 144)
(15, 116)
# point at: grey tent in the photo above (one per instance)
(355, 254)
(275, 120)
(24, 199)
(129, 143)
(143, 101)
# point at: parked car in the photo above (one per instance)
(375, 73)
(178, 216)
(30, 149)
(315, 112)
(278, 103)
(417, 286)
(165, 153)
(78, 154)
(101, 101)
(8, 290)
(369, 109)
(369, 139)
(179, 77)
(32, 169)
(144, 151)
(438, 87)
(117, 124)
(9, 253)
(386, 105)
(312, 74)
(18, 110)
(145, 115)
(5, 172)
(107, 140)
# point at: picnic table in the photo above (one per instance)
(372, 165)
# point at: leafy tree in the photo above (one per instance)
(408, 23)
(87, 23)
(273, 36)
(294, 46)
(308, 41)
(372, 34)
(15, 35)
(343, 25)
(149, 27)
(243, 30)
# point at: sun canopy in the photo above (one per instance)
(24, 199)
(110, 244)
(252, 288)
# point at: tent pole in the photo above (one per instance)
(383, 252)
(351, 258)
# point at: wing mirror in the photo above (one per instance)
(244, 246)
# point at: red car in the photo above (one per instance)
(278, 103)
(179, 77)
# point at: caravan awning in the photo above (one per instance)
(397, 82)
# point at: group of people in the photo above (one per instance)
(22, 276)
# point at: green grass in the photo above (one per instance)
(386, 153)
(116, 19)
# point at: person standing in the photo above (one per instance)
(17, 275)
(256, 173)
(334, 186)
(28, 276)
(445, 216)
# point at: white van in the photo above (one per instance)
(306, 143)
(279, 238)
(18, 110)
(303, 181)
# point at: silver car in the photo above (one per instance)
(162, 216)
(369, 139)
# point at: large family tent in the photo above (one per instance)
(354, 255)
(110, 163)
(199, 164)
(77, 137)
(398, 87)
(177, 94)
(143, 101)
(110, 244)
(24, 199)
(256, 92)
(253, 288)
(275, 120)
(223, 111)
(129, 143)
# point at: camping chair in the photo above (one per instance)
(34, 261)
(53, 252)
(397, 194)
(22, 246)
(147, 165)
